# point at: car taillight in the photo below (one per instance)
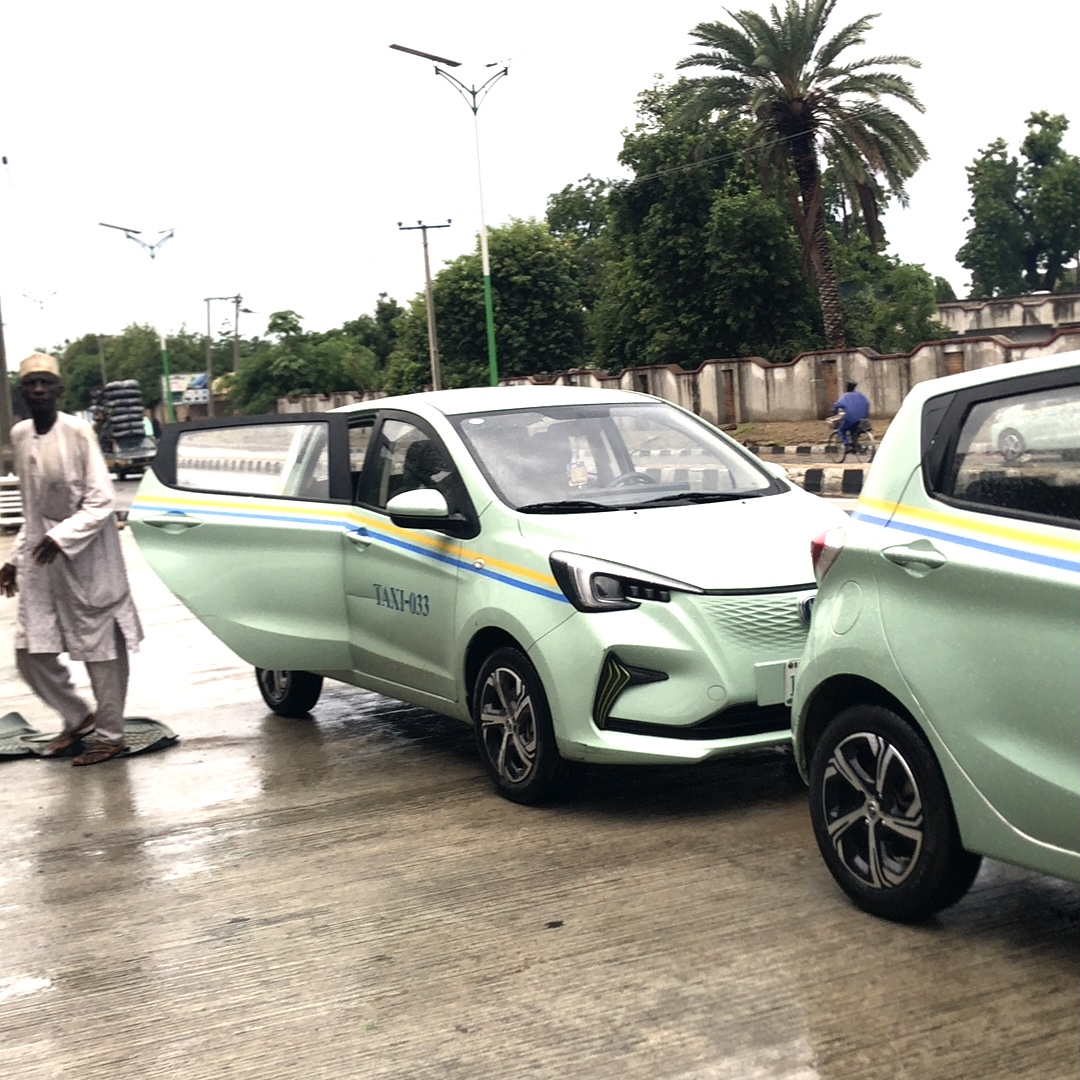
(824, 549)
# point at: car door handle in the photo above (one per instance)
(920, 554)
(173, 523)
(360, 538)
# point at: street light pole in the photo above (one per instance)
(433, 340)
(164, 234)
(474, 96)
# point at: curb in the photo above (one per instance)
(833, 480)
(775, 448)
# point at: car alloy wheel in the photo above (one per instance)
(882, 816)
(289, 693)
(873, 810)
(513, 728)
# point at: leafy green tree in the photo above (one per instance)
(579, 215)
(1025, 214)
(762, 305)
(298, 363)
(700, 262)
(806, 103)
(408, 370)
(378, 332)
(539, 324)
(80, 368)
(889, 306)
(655, 306)
(133, 354)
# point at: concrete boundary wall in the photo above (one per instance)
(1015, 315)
(749, 389)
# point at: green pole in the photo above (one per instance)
(489, 319)
(170, 413)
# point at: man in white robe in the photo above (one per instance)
(68, 570)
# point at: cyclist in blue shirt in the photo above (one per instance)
(853, 408)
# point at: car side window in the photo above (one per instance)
(275, 459)
(404, 458)
(1020, 455)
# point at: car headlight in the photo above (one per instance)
(595, 585)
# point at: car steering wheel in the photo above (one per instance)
(627, 478)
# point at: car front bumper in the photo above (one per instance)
(696, 678)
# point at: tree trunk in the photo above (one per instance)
(832, 313)
(815, 238)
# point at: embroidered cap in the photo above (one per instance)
(39, 363)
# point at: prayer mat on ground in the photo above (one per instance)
(19, 739)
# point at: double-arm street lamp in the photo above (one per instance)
(165, 234)
(474, 96)
(236, 301)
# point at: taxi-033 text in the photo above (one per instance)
(400, 600)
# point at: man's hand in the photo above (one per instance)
(45, 550)
(8, 574)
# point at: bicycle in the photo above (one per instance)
(862, 443)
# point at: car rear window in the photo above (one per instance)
(1019, 455)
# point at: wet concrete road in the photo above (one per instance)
(346, 897)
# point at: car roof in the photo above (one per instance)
(948, 384)
(476, 399)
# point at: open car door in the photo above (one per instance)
(245, 520)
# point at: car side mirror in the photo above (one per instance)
(776, 469)
(419, 503)
(426, 508)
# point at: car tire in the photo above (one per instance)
(514, 733)
(1011, 445)
(289, 693)
(883, 819)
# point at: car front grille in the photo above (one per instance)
(770, 622)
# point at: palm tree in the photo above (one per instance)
(804, 104)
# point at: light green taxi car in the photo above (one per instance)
(584, 575)
(936, 714)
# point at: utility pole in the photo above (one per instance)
(433, 340)
(236, 301)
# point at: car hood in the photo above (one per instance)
(759, 543)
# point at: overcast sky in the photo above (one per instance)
(284, 142)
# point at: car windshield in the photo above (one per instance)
(575, 458)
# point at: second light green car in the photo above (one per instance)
(583, 575)
(937, 710)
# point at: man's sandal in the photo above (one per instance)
(96, 753)
(68, 740)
